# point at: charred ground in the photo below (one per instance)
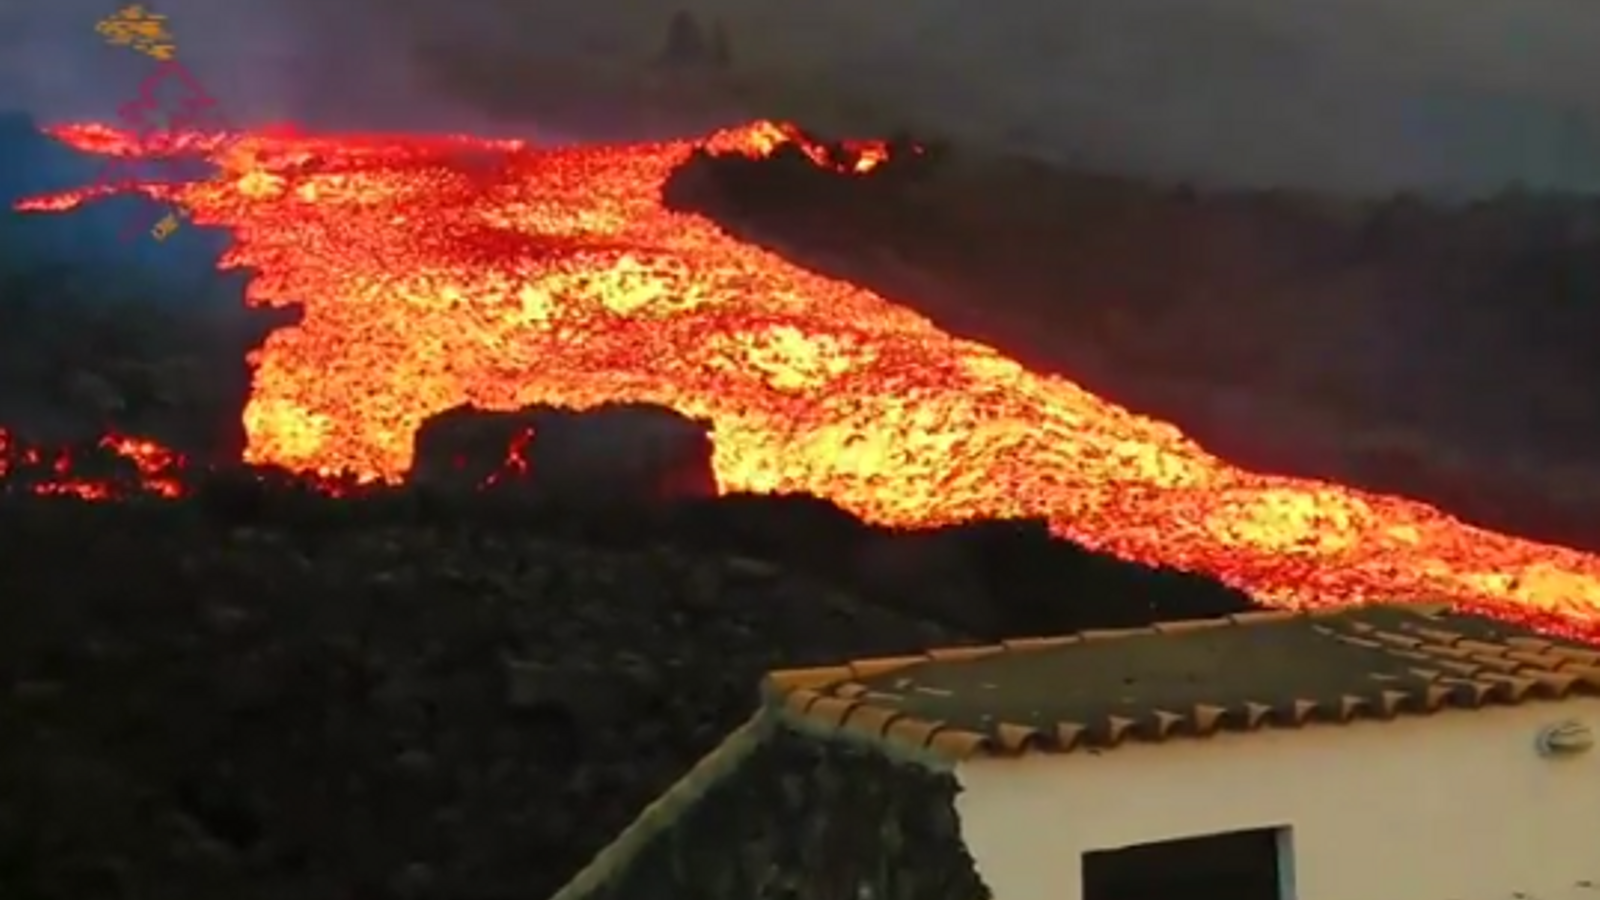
(260, 691)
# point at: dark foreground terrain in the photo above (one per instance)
(385, 711)
(260, 693)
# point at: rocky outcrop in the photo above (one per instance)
(600, 461)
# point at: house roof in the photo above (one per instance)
(1098, 689)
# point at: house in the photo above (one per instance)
(1367, 753)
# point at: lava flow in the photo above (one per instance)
(434, 272)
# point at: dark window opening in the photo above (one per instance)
(1238, 865)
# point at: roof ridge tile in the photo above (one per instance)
(1034, 694)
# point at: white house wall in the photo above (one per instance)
(1454, 807)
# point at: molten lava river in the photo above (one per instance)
(435, 271)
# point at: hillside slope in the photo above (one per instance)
(1446, 353)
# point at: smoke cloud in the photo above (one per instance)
(1351, 94)
(1346, 94)
(558, 70)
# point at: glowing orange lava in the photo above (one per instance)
(157, 468)
(510, 275)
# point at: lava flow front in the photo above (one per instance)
(434, 272)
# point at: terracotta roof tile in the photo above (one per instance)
(947, 654)
(863, 669)
(872, 721)
(1106, 634)
(1256, 713)
(1039, 643)
(1438, 696)
(958, 743)
(1017, 738)
(1351, 706)
(1184, 625)
(1440, 636)
(1166, 722)
(1578, 654)
(1117, 728)
(801, 678)
(1264, 615)
(1559, 683)
(1206, 718)
(800, 700)
(912, 732)
(1069, 735)
(1100, 689)
(1476, 692)
(831, 710)
(1498, 663)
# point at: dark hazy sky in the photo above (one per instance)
(1339, 92)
